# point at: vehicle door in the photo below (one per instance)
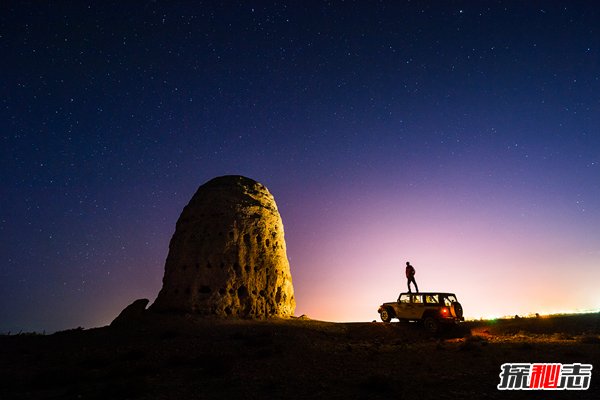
(403, 306)
(414, 308)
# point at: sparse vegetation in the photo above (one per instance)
(589, 338)
(182, 357)
(21, 333)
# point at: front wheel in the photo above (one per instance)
(431, 325)
(385, 316)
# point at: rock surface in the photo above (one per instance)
(228, 256)
(131, 314)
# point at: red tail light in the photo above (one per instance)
(444, 311)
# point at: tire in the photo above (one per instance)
(431, 325)
(457, 309)
(385, 316)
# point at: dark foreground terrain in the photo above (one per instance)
(188, 358)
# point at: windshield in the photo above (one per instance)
(404, 298)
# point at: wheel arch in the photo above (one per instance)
(430, 314)
(391, 310)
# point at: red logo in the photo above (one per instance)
(538, 376)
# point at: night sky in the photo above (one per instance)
(463, 137)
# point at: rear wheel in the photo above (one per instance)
(431, 325)
(385, 315)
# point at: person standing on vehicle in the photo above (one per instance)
(410, 277)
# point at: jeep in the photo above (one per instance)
(433, 309)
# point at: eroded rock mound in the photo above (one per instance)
(228, 255)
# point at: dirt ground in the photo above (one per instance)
(183, 357)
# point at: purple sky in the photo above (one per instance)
(461, 136)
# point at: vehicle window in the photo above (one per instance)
(432, 299)
(448, 300)
(404, 298)
(417, 299)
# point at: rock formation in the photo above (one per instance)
(228, 256)
(131, 314)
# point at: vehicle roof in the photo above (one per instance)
(442, 293)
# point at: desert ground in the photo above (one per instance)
(185, 357)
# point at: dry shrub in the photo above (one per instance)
(562, 336)
(589, 339)
(472, 342)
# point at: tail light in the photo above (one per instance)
(445, 311)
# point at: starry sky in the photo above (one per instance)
(463, 137)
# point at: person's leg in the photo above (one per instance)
(415, 282)
(408, 284)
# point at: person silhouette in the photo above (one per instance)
(410, 277)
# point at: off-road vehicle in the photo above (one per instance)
(433, 309)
